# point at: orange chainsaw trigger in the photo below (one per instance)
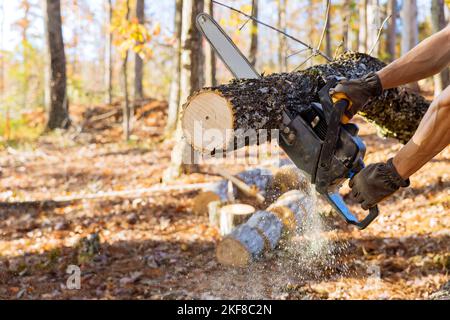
(337, 96)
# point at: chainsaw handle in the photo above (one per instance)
(339, 96)
(340, 206)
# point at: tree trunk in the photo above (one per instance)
(282, 41)
(174, 98)
(210, 55)
(328, 33)
(2, 63)
(237, 109)
(25, 26)
(362, 42)
(254, 34)
(126, 101)
(191, 79)
(138, 62)
(410, 31)
(346, 26)
(441, 80)
(373, 24)
(392, 30)
(192, 60)
(108, 54)
(58, 108)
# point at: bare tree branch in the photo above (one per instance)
(324, 29)
(338, 49)
(312, 55)
(379, 34)
(296, 53)
(316, 52)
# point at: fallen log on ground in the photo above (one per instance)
(264, 231)
(253, 183)
(259, 183)
(250, 190)
(233, 215)
(213, 118)
(243, 245)
(285, 179)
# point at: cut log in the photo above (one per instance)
(269, 226)
(253, 183)
(241, 247)
(242, 186)
(290, 211)
(214, 213)
(258, 178)
(221, 117)
(220, 188)
(275, 226)
(233, 215)
(291, 208)
(202, 200)
(285, 179)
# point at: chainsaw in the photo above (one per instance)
(320, 140)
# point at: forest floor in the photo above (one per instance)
(155, 247)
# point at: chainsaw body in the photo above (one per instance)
(329, 151)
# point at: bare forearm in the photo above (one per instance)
(432, 136)
(426, 59)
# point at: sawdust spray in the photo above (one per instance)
(309, 257)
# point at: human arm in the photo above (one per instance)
(426, 59)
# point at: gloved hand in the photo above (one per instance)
(375, 183)
(359, 91)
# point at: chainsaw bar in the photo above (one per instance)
(233, 58)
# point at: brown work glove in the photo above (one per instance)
(359, 91)
(375, 183)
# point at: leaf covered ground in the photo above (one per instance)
(155, 247)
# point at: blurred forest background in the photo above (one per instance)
(106, 44)
(90, 92)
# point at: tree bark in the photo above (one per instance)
(410, 31)
(282, 41)
(254, 34)
(108, 54)
(233, 215)
(174, 98)
(243, 246)
(347, 11)
(362, 38)
(210, 55)
(265, 230)
(126, 100)
(328, 32)
(191, 79)
(441, 80)
(58, 109)
(243, 106)
(24, 31)
(373, 24)
(138, 62)
(392, 30)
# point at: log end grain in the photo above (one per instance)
(207, 120)
(241, 247)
